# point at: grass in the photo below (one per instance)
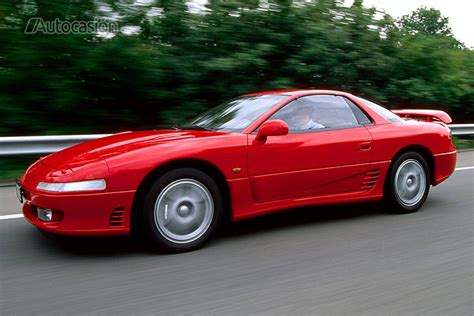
(464, 142)
(12, 168)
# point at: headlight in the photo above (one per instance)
(90, 185)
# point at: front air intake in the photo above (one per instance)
(116, 218)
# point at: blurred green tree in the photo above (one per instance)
(426, 21)
(172, 59)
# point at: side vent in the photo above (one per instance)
(116, 218)
(370, 179)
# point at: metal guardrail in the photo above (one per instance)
(38, 145)
(462, 129)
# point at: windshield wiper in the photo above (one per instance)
(195, 128)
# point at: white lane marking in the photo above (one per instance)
(464, 168)
(12, 216)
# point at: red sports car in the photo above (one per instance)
(256, 154)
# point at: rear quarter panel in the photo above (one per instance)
(390, 139)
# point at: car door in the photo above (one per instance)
(328, 154)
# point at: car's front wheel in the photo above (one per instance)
(408, 183)
(182, 210)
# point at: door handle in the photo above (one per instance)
(365, 146)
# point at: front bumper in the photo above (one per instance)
(81, 213)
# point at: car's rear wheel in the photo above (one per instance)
(408, 183)
(182, 210)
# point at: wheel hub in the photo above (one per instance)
(184, 211)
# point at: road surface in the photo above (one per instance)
(331, 261)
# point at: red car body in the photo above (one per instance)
(350, 165)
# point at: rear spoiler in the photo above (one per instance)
(424, 115)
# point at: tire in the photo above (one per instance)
(408, 184)
(182, 210)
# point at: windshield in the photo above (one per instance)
(237, 114)
(380, 110)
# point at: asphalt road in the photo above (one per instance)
(330, 261)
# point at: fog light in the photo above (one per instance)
(45, 214)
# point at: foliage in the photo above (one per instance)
(172, 60)
(426, 21)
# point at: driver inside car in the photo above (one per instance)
(303, 118)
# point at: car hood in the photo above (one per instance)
(100, 149)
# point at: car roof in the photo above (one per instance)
(301, 92)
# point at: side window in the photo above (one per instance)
(383, 112)
(361, 116)
(317, 112)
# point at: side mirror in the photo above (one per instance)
(272, 128)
